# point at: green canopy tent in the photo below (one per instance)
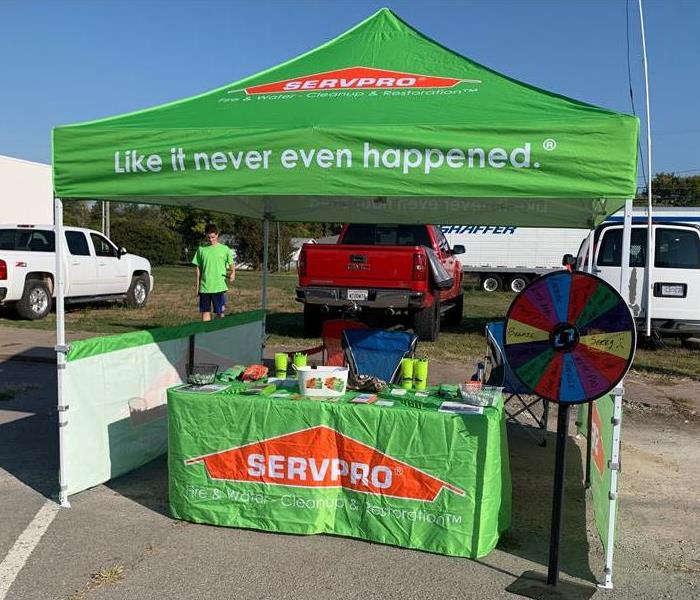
(379, 125)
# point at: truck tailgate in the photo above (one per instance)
(360, 266)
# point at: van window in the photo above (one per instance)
(677, 249)
(27, 240)
(610, 254)
(77, 243)
(390, 235)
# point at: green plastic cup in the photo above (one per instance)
(281, 365)
(407, 366)
(299, 361)
(420, 374)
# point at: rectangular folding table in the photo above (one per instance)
(397, 471)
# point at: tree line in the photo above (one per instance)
(669, 189)
(168, 235)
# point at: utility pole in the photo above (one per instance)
(279, 256)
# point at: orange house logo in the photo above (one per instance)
(321, 457)
(356, 78)
(597, 450)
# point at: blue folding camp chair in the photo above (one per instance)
(376, 352)
(499, 373)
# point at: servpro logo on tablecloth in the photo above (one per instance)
(354, 78)
(321, 457)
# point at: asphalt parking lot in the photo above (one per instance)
(117, 540)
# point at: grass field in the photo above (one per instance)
(173, 302)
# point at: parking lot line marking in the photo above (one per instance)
(18, 555)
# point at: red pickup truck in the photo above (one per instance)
(393, 269)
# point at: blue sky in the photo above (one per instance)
(70, 61)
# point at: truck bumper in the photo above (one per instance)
(3, 293)
(376, 298)
(672, 327)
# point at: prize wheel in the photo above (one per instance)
(569, 337)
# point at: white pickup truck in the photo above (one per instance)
(95, 269)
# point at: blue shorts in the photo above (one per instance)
(207, 300)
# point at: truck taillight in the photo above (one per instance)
(3, 269)
(420, 271)
(302, 263)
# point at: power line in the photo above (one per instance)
(673, 172)
(629, 81)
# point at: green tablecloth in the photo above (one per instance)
(406, 475)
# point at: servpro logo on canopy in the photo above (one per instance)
(356, 78)
(321, 457)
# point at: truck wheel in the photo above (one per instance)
(312, 321)
(137, 294)
(454, 315)
(35, 302)
(426, 322)
(517, 283)
(491, 283)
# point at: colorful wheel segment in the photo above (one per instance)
(569, 337)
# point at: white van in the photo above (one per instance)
(675, 303)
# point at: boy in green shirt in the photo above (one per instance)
(214, 264)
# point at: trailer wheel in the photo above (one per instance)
(517, 283)
(491, 283)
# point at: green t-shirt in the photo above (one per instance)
(213, 263)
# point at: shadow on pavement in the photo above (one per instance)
(147, 486)
(532, 472)
(29, 425)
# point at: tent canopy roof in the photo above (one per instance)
(381, 124)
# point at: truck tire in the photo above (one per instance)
(137, 294)
(426, 322)
(35, 302)
(454, 315)
(312, 321)
(491, 282)
(517, 283)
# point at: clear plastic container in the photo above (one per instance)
(202, 373)
(486, 395)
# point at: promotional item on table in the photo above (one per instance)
(299, 360)
(407, 372)
(420, 373)
(281, 360)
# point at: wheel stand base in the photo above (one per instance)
(532, 584)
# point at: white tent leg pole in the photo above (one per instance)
(61, 350)
(591, 239)
(625, 258)
(266, 252)
(650, 232)
(614, 473)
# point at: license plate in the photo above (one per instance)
(674, 291)
(357, 294)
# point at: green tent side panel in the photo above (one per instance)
(382, 123)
